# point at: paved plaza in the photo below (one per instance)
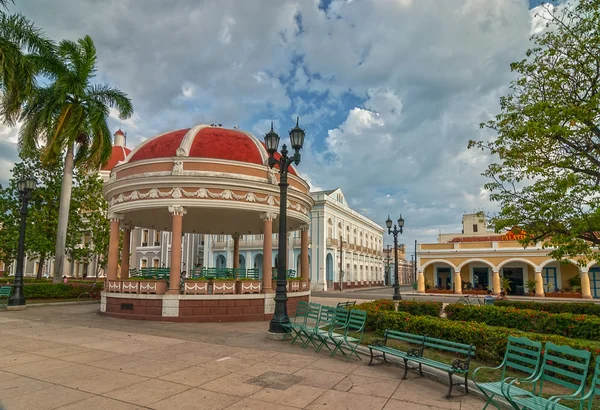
(69, 357)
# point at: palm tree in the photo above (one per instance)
(70, 114)
(24, 54)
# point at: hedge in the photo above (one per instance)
(489, 341)
(413, 307)
(52, 291)
(575, 308)
(563, 324)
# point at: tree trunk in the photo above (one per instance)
(63, 216)
(40, 267)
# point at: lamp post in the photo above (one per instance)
(283, 162)
(25, 186)
(395, 232)
(388, 258)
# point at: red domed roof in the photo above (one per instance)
(118, 154)
(203, 141)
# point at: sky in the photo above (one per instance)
(389, 91)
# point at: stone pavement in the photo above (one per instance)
(69, 357)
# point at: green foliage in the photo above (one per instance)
(42, 218)
(52, 291)
(548, 138)
(564, 324)
(489, 341)
(506, 284)
(575, 308)
(413, 307)
(531, 285)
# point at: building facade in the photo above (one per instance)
(406, 269)
(478, 259)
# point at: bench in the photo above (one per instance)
(570, 365)
(522, 355)
(379, 345)
(5, 292)
(294, 324)
(589, 396)
(346, 304)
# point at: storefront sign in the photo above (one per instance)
(511, 236)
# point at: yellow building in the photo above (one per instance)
(477, 259)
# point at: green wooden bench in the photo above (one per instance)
(352, 336)
(252, 273)
(522, 355)
(311, 324)
(459, 365)
(416, 341)
(5, 292)
(346, 304)
(562, 366)
(337, 325)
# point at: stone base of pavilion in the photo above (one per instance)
(196, 308)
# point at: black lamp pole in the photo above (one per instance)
(395, 232)
(283, 162)
(25, 186)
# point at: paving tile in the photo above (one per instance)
(296, 360)
(382, 371)
(347, 401)
(90, 356)
(49, 398)
(421, 390)
(403, 405)
(196, 399)
(255, 354)
(59, 352)
(297, 395)
(38, 367)
(228, 363)
(13, 359)
(99, 403)
(334, 365)
(147, 392)
(251, 404)
(105, 381)
(192, 358)
(70, 374)
(120, 362)
(319, 378)
(155, 368)
(194, 376)
(234, 384)
(16, 385)
(260, 368)
(370, 386)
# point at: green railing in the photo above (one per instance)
(150, 273)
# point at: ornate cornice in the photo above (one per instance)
(178, 193)
(115, 217)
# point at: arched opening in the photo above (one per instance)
(477, 273)
(242, 262)
(258, 264)
(594, 274)
(514, 275)
(329, 267)
(221, 262)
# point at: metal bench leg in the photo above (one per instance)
(420, 370)
(451, 385)
(405, 369)
(466, 383)
(384, 359)
(371, 362)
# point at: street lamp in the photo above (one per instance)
(25, 186)
(395, 232)
(283, 162)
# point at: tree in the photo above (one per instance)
(70, 115)
(87, 219)
(25, 53)
(547, 179)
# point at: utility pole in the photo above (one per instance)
(415, 264)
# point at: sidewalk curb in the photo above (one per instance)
(512, 298)
(84, 302)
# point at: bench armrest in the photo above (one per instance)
(474, 375)
(506, 392)
(460, 364)
(415, 351)
(378, 342)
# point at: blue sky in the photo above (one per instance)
(389, 91)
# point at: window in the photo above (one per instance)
(157, 238)
(145, 237)
(155, 263)
(329, 229)
(474, 227)
(144, 263)
(549, 278)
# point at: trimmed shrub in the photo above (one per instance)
(489, 341)
(413, 307)
(53, 291)
(563, 324)
(575, 308)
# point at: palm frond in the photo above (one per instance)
(104, 94)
